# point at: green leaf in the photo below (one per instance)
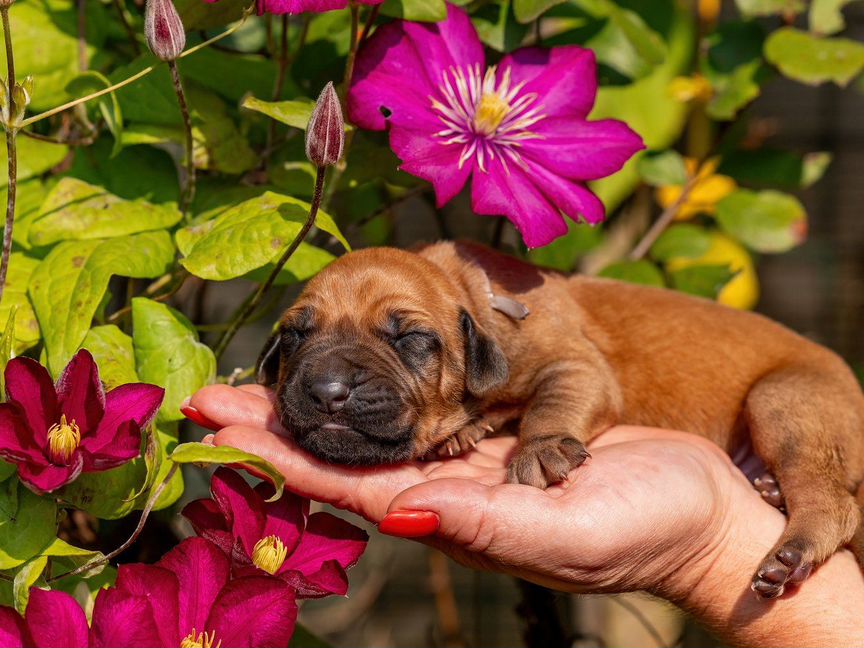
(703, 280)
(7, 352)
(28, 524)
(200, 15)
(765, 221)
(68, 286)
(112, 350)
(25, 578)
(77, 210)
(770, 7)
(239, 74)
(775, 168)
(65, 557)
(247, 237)
(812, 59)
(296, 112)
(734, 67)
(305, 263)
(527, 11)
(201, 453)
(34, 158)
(826, 16)
(91, 81)
(681, 241)
(303, 638)
(498, 28)
(663, 168)
(168, 353)
(416, 10)
(640, 272)
(21, 269)
(28, 199)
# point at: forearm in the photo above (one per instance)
(826, 610)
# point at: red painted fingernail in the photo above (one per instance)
(409, 524)
(198, 418)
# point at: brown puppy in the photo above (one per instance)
(389, 355)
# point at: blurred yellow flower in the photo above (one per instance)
(743, 291)
(709, 10)
(692, 88)
(709, 189)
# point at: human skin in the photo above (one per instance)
(655, 510)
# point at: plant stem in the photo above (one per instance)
(82, 35)
(11, 152)
(277, 89)
(145, 513)
(370, 21)
(135, 77)
(352, 49)
(189, 184)
(252, 302)
(133, 39)
(663, 221)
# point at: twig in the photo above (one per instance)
(370, 21)
(133, 38)
(641, 619)
(663, 221)
(352, 49)
(253, 301)
(11, 151)
(145, 513)
(189, 184)
(82, 35)
(278, 87)
(151, 289)
(82, 141)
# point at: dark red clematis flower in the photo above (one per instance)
(53, 433)
(309, 552)
(52, 620)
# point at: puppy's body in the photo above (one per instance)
(423, 358)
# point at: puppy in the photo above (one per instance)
(390, 355)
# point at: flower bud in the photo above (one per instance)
(5, 4)
(164, 29)
(21, 98)
(325, 134)
(4, 102)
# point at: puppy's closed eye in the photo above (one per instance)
(415, 348)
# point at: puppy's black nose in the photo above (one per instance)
(329, 396)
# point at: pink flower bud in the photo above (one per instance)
(164, 29)
(325, 134)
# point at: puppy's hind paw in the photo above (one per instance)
(544, 461)
(786, 566)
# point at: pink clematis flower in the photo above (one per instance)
(52, 620)
(309, 552)
(519, 129)
(53, 433)
(303, 6)
(188, 599)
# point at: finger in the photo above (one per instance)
(258, 390)
(226, 406)
(365, 491)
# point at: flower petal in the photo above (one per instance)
(254, 611)
(13, 632)
(46, 478)
(80, 393)
(582, 150)
(243, 507)
(123, 619)
(299, 6)
(55, 619)
(330, 579)
(573, 199)
(202, 571)
(209, 522)
(125, 446)
(327, 537)
(16, 439)
(160, 588)
(563, 78)
(29, 385)
(138, 402)
(514, 195)
(425, 156)
(285, 518)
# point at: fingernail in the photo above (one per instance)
(208, 439)
(198, 418)
(409, 524)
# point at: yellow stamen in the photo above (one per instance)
(269, 553)
(491, 111)
(63, 440)
(200, 640)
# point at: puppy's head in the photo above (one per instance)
(375, 361)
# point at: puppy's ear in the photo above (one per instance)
(485, 364)
(267, 367)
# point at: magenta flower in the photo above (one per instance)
(309, 552)
(303, 6)
(188, 599)
(53, 433)
(52, 620)
(519, 128)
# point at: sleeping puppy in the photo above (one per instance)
(390, 355)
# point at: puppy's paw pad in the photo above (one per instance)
(462, 441)
(786, 566)
(770, 491)
(546, 461)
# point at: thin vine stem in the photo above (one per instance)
(370, 21)
(664, 221)
(133, 39)
(254, 299)
(279, 86)
(11, 152)
(353, 45)
(189, 184)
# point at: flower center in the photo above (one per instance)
(200, 640)
(63, 440)
(491, 111)
(269, 554)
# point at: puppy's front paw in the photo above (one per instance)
(462, 441)
(544, 461)
(786, 566)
